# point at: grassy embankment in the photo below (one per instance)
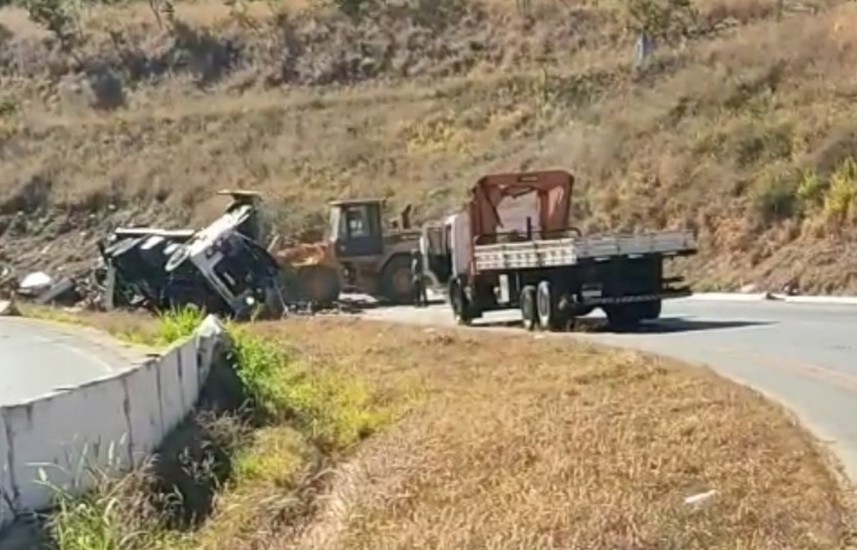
(368, 436)
(741, 129)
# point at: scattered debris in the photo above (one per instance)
(8, 309)
(791, 288)
(8, 284)
(700, 498)
(64, 291)
(34, 284)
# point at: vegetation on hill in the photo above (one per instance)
(739, 126)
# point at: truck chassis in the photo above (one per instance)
(552, 282)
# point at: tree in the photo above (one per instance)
(58, 18)
(661, 19)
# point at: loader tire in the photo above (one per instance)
(319, 284)
(396, 283)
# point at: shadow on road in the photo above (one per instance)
(679, 324)
(662, 326)
(353, 305)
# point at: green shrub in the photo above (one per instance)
(299, 402)
(661, 18)
(774, 198)
(333, 409)
(811, 188)
(177, 324)
(115, 514)
(840, 203)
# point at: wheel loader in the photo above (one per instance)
(360, 253)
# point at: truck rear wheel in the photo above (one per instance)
(548, 307)
(624, 316)
(529, 313)
(651, 310)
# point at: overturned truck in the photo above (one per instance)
(222, 269)
(512, 247)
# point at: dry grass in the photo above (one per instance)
(718, 136)
(517, 443)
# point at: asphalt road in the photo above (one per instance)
(39, 357)
(804, 356)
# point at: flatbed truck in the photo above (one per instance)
(512, 247)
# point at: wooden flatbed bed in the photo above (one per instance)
(574, 250)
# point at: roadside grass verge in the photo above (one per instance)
(158, 332)
(374, 436)
(517, 442)
(269, 422)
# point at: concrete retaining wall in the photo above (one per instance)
(5, 482)
(106, 425)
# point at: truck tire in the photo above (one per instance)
(529, 313)
(461, 308)
(624, 316)
(650, 310)
(396, 284)
(547, 307)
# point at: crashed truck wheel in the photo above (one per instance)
(177, 258)
(319, 284)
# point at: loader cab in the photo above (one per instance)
(356, 227)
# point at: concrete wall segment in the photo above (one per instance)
(6, 494)
(108, 424)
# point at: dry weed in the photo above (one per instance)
(518, 443)
(309, 105)
(506, 441)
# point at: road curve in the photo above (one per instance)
(39, 357)
(804, 356)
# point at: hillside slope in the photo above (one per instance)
(743, 130)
